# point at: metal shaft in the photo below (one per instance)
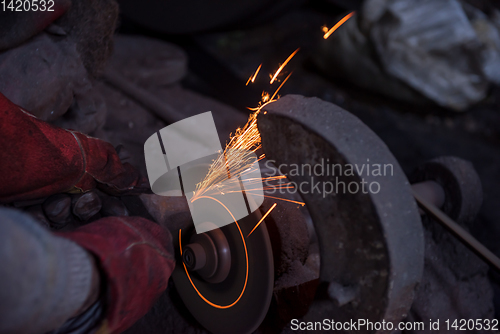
(459, 232)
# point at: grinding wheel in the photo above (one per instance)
(226, 301)
(371, 244)
(460, 182)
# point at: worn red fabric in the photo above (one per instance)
(38, 159)
(136, 256)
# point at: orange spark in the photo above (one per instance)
(236, 157)
(262, 219)
(277, 90)
(252, 77)
(180, 240)
(281, 199)
(265, 97)
(335, 27)
(283, 65)
(275, 177)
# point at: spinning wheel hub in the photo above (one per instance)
(209, 256)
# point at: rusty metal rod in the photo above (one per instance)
(459, 232)
(142, 96)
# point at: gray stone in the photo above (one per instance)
(46, 77)
(148, 62)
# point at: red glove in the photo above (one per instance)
(38, 159)
(136, 257)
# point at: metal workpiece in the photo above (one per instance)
(171, 212)
(371, 242)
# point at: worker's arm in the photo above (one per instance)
(106, 274)
(38, 159)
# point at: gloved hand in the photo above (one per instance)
(48, 278)
(136, 257)
(39, 160)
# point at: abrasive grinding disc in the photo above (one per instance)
(240, 302)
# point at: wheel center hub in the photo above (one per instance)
(208, 254)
